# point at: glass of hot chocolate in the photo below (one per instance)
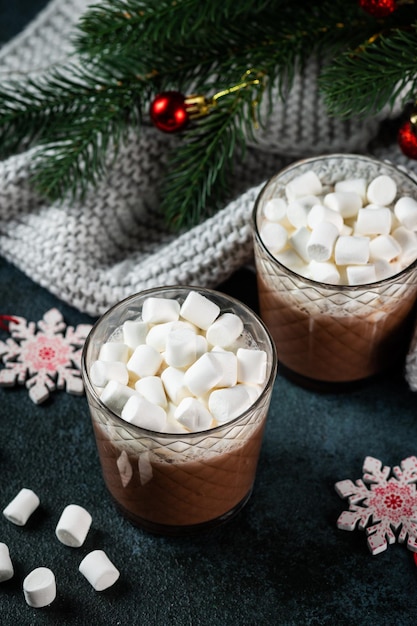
(335, 248)
(178, 382)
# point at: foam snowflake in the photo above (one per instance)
(44, 356)
(389, 503)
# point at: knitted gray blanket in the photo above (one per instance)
(115, 243)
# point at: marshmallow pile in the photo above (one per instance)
(353, 232)
(39, 586)
(180, 367)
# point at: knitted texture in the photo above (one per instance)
(115, 243)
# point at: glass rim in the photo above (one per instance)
(309, 281)
(186, 435)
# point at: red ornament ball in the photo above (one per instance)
(378, 8)
(407, 140)
(169, 112)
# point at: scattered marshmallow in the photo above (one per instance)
(382, 190)
(140, 412)
(199, 310)
(405, 210)
(157, 310)
(39, 587)
(99, 570)
(251, 365)
(21, 507)
(145, 361)
(193, 414)
(101, 372)
(6, 565)
(73, 525)
(225, 330)
(351, 250)
(321, 242)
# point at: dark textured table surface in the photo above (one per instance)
(282, 561)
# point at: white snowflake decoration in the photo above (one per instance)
(46, 356)
(389, 503)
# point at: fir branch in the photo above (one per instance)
(361, 82)
(198, 169)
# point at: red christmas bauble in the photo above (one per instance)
(378, 8)
(169, 112)
(407, 140)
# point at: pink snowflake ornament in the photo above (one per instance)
(390, 504)
(45, 357)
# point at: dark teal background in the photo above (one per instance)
(282, 561)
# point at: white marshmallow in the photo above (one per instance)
(181, 348)
(384, 247)
(324, 272)
(302, 185)
(225, 330)
(201, 345)
(319, 213)
(115, 395)
(203, 375)
(408, 242)
(405, 210)
(290, 259)
(227, 364)
(299, 241)
(376, 221)
(145, 361)
(152, 388)
(157, 335)
(383, 269)
(114, 351)
(134, 333)
(199, 310)
(174, 384)
(361, 274)
(73, 525)
(6, 565)
(297, 214)
(382, 190)
(39, 587)
(274, 236)
(144, 414)
(346, 203)
(228, 403)
(275, 209)
(351, 250)
(21, 507)
(321, 242)
(251, 366)
(352, 185)
(193, 414)
(158, 310)
(99, 570)
(103, 371)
